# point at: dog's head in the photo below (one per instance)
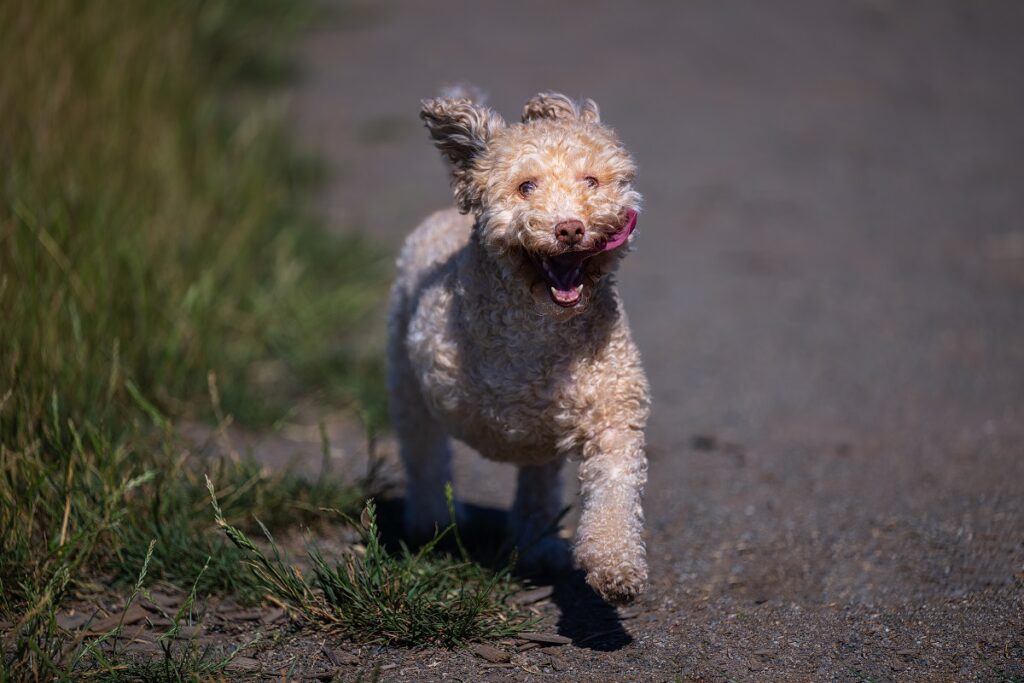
(553, 195)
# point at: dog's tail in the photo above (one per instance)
(463, 91)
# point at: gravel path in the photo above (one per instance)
(828, 291)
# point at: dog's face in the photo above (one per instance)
(553, 195)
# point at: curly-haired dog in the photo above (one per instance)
(506, 331)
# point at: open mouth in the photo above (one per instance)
(564, 273)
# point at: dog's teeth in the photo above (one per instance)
(554, 291)
(579, 287)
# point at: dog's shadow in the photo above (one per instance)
(584, 617)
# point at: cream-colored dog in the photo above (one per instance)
(506, 331)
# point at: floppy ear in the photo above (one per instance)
(553, 105)
(461, 129)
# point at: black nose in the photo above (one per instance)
(569, 232)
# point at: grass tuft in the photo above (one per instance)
(369, 595)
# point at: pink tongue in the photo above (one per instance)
(623, 234)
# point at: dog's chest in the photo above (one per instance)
(505, 395)
(508, 418)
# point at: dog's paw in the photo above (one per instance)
(617, 571)
(619, 584)
(550, 556)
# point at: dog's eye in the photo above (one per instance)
(526, 188)
(591, 181)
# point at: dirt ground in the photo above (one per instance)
(828, 290)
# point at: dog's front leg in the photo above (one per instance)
(609, 541)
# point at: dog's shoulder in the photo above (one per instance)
(435, 241)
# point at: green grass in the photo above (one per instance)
(373, 596)
(157, 266)
(150, 231)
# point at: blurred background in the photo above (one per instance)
(832, 190)
(202, 202)
(827, 286)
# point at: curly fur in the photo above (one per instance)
(479, 350)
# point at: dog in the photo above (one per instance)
(506, 331)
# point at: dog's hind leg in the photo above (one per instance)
(426, 454)
(535, 517)
(422, 442)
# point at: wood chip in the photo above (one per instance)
(490, 653)
(136, 632)
(339, 658)
(243, 664)
(73, 619)
(331, 656)
(133, 615)
(552, 638)
(166, 600)
(532, 595)
(271, 616)
(143, 647)
(557, 663)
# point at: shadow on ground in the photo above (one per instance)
(584, 617)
